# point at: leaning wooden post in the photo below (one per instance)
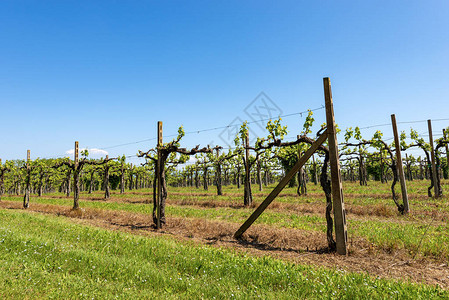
(399, 166)
(432, 157)
(159, 174)
(337, 190)
(284, 181)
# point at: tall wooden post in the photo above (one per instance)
(218, 181)
(399, 165)
(26, 198)
(76, 155)
(315, 170)
(447, 151)
(76, 177)
(337, 190)
(432, 157)
(247, 192)
(159, 174)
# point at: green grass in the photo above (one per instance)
(50, 257)
(399, 232)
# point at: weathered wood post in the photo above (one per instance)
(280, 186)
(76, 177)
(337, 190)
(218, 174)
(26, 197)
(159, 174)
(247, 198)
(106, 179)
(122, 177)
(315, 175)
(447, 152)
(399, 165)
(432, 157)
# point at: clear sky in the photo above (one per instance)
(104, 72)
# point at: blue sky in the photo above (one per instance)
(104, 72)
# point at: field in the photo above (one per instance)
(109, 249)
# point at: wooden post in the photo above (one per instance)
(301, 177)
(337, 190)
(432, 157)
(315, 170)
(76, 154)
(76, 160)
(218, 180)
(259, 210)
(26, 197)
(399, 165)
(446, 146)
(247, 188)
(300, 169)
(76, 177)
(159, 175)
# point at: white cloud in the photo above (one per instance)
(92, 152)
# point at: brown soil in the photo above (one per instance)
(299, 246)
(371, 210)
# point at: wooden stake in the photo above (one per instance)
(432, 157)
(281, 185)
(248, 200)
(159, 174)
(447, 151)
(399, 165)
(76, 177)
(28, 159)
(76, 154)
(341, 235)
(26, 197)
